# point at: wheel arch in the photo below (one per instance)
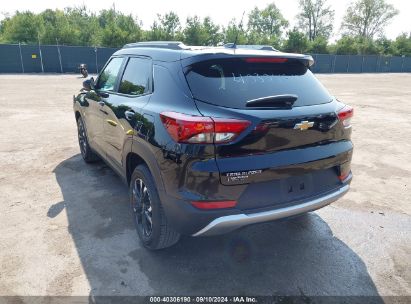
(132, 161)
(138, 156)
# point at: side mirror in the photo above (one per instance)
(88, 84)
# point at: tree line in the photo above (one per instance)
(362, 29)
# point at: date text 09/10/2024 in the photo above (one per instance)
(199, 299)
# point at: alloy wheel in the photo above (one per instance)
(82, 138)
(142, 208)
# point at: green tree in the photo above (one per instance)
(316, 18)
(349, 45)
(402, 45)
(318, 46)
(57, 26)
(367, 18)
(155, 33)
(266, 26)
(171, 26)
(345, 46)
(118, 29)
(194, 33)
(85, 24)
(167, 28)
(296, 42)
(366, 46)
(24, 27)
(233, 30)
(213, 36)
(384, 46)
(204, 32)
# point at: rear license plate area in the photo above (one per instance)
(296, 187)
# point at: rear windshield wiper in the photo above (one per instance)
(277, 101)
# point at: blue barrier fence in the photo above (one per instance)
(361, 64)
(15, 58)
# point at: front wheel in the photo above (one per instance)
(151, 223)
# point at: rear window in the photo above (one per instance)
(233, 82)
(136, 77)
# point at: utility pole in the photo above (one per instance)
(41, 56)
(95, 52)
(21, 58)
(58, 50)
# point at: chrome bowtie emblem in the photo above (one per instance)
(304, 125)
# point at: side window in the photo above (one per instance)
(136, 77)
(107, 79)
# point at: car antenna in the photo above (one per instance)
(240, 26)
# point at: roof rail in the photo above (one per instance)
(173, 45)
(250, 46)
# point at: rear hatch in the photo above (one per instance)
(294, 127)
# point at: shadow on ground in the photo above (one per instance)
(295, 257)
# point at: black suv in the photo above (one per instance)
(210, 139)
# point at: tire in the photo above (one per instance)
(87, 152)
(150, 221)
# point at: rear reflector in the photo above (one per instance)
(265, 60)
(202, 130)
(345, 115)
(344, 171)
(343, 177)
(208, 205)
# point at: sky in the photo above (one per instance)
(220, 11)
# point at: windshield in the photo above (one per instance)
(233, 82)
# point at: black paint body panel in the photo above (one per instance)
(267, 163)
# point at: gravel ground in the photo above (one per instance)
(65, 227)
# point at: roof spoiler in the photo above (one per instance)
(173, 45)
(250, 47)
(306, 60)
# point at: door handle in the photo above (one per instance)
(111, 122)
(101, 103)
(129, 115)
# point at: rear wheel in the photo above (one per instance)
(86, 152)
(149, 218)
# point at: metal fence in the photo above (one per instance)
(361, 64)
(15, 58)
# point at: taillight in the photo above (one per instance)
(344, 171)
(208, 205)
(345, 115)
(202, 130)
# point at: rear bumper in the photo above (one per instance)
(229, 223)
(283, 187)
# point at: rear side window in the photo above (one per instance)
(233, 82)
(107, 78)
(136, 77)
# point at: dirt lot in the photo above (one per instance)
(65, 228)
